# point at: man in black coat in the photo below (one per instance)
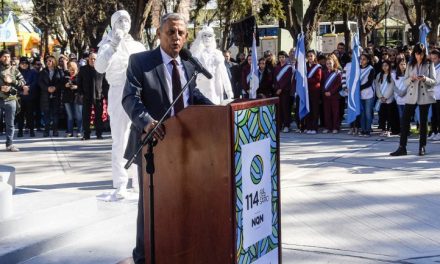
(27, 100)
(153, 81)
(94, 87)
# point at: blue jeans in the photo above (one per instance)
(366, 114)
(51, 113)
(74, 111)
(401, 108)
(9, 107)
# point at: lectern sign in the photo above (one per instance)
(256, 179)
(256, 192)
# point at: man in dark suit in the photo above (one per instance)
(154, 79)
(93, 86)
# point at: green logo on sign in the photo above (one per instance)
(257, 169)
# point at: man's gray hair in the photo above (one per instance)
(171, 16)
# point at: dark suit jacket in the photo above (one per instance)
(145, 96)
(91, 84)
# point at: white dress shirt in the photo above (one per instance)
(168, 75)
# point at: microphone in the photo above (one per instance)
(187, 56)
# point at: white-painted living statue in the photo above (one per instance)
(204, 48)
(113, 54)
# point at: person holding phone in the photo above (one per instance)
(72, 99)
(420, 80)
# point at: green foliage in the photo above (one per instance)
(9, 5)
(333, 9)
(271, 12)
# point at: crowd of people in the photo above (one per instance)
(35, 91)
(388, 87)
(44, 88)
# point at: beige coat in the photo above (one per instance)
(420, 92)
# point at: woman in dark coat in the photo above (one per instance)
(265, 76)
(50, 81)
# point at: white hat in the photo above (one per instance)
(117, 15)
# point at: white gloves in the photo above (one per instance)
(118, 34)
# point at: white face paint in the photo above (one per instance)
(208, 39)
(124, 24)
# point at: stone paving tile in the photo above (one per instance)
(343, 200)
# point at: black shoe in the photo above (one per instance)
(85, 138)
(99, 137)
(401, 151)
(55, 134)
(20, 133)
(45, 133)
(32, 133)
(422, 151)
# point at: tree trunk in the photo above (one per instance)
(433, 36)
(224, 9)
(46, 41)
(94, 39)
(151, 36)
(362, 29)
(347, 32)
(143, 9)
(292, 22)
(310, 21)
(225, 34)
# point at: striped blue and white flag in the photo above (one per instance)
(354, 83)
(423, 33)
(302, 89)
(254, 82)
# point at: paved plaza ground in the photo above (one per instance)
(343, 200)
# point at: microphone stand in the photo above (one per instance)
(150, 169)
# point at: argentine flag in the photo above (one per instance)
(354, 83)
(302, 89)
(423, 33)
(254, 80)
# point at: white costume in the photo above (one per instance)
(204, 49)
(114, 51)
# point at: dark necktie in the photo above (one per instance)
(177, 88)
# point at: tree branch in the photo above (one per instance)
(379, 19)
(406, 10)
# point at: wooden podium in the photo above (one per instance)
(202, 214)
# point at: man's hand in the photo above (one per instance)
(5, 88)
(278, 92)
(159, 134)
(25, 90)
(327, 94)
